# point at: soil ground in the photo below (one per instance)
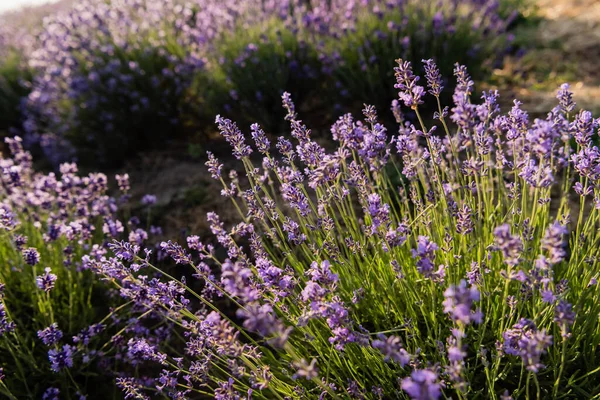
(566, 48)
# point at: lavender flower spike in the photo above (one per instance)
(433, 76)
(459, 301)
(410, 93)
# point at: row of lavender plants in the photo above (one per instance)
(457, 260)
(113, 77)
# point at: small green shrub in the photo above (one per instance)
(253, 66)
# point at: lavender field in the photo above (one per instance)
(300, 199)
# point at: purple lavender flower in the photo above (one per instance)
(464, 84)
(88, 333)
(464, 222)
(322, 273)
(260, 138)
(46, 281)
(564, 316)
(423, 384)
(8, 219)
(132, 389)
(306, 370)
(587, 163)
(392, 350)
(474, 274)
(51, 393)
(262, 320)
(124, 250)
(234, 137)
(50, 335)
(238, 280)
(565, 98)
(31, 256)
(433, 76)
(410, 93)
(459, 301)
(5, 324)
(425, 255)
(296, 198)
(149, 200)
(379, 212)
(140, 349)
(553, 243)
(285, 148)
(463, 112)
(61, 358)
(525, 341)
(288, 104)
(20, 241)
(584, 128)
(510, 246)
(176, 252)
(226, 391)
(123, 182)
(292, 229)
(214, 167)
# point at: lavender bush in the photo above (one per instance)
(110, 77)
(61, 328)
(474, 277)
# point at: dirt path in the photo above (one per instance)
(566, 48)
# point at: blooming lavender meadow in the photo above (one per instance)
(474, 276)
(453, 255)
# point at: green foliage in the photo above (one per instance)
(15, 81)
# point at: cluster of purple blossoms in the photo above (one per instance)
(434, 78)
(106, 67)
(423, 384)
(459, 303)
(51, 335)
(46, 281)
(380, 213)
(410, 92)
(61, 358)
(553, 243)
(510, 245)
(464, 221)
(6, 325)
(31, 256)
(70, 219)
(149, 199)
(425, 255)
(525, 341)
(392, 350)
(234, 137)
